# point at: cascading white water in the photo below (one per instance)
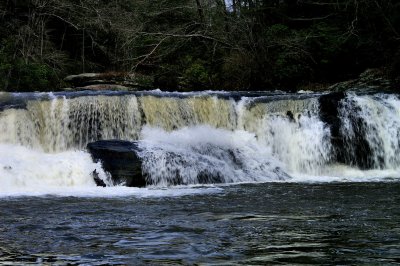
(376, 120)
(203, 154)
(199, 137)
(30, 170)
(292, 129)
(174, 113)
(62, 124)
(304, 146)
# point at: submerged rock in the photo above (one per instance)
(120, 159)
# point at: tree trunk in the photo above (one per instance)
(200, 10)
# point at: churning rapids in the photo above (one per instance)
(241, 137)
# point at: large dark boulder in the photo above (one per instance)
(120, 159)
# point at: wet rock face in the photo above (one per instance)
(120, 159)
(329, 110)
(329, 113)
(355, 153)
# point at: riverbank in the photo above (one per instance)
(369, 80)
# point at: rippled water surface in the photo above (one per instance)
(337, 223)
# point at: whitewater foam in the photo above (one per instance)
(30, 170)
(202, 152)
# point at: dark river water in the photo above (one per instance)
(252, 224)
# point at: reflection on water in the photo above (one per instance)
(351, 223)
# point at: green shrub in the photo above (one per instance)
(195, 75)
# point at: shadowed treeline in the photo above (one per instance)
(198, 44)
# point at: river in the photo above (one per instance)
(249, 224)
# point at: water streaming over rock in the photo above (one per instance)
(236, 137)
(371, 130)
(61, 124)
(203, 154)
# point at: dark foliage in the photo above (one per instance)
(198, 44)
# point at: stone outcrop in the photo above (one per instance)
(120, 159)
(109, 81)
(369, 80)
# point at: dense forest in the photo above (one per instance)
(198, 44)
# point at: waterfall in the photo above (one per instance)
(371, 130)
(61, 124)
(203, 137)
(174, 113)
(292, 129)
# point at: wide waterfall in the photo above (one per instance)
(237, 136)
